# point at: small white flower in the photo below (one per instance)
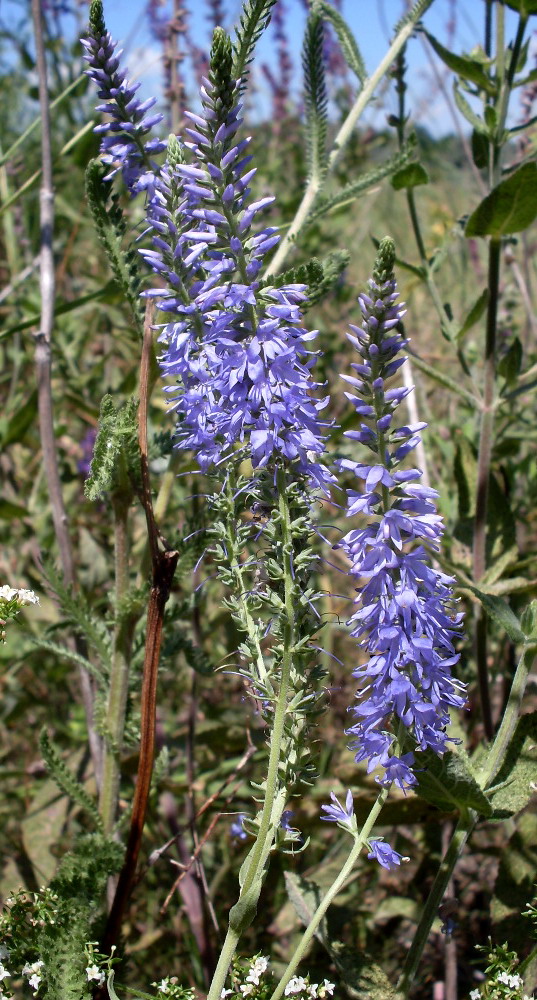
(475, 995)
(27, 597)
(7, 593)
(257, 970)
(4, 974)
(312, 990)
(246, 989)
(295, 985)
(326, 988)
(515, 981)
(503, 977)
(164, 985)
(34, 967)
(94, 972)
(34, 982)
(226, 993)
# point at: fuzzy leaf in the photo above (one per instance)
(66, 781)
(346, 38)
(474, 315)
(448, 783)
(410, 176)
(366, 181)
(319, 276)
(509, 208)
(69, 654)
(501, 613)
(75, 610)
(253, 21)
(519, 769)
(464, 66)
(315, 97)
(116, 448)
(111, 228)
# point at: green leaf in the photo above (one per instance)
(480, 149)
(116, 449)
(528, 620)
(345, 36)
(474, 315)
(500, 613)
(306, 897)
(410, 176)
(366, 181)
(515, 882)
(60, 309)
(448, 782)
(11, 511)
(524, 7)
(464, 66)
(254, 19)
(23, 418)
(467, 111)
(315, 97)
(111, 227)
(519, 769)
(510, 364)
(69, 654)
(66, 781)
(465, 471)
(509, 208)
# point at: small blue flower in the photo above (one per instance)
(384, 854)
(336, 813)
(236, 829)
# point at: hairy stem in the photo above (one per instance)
(334, 889)
(242, 914)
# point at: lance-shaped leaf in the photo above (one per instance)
(448, 783)
(253, 21)
(501, 613)
(515, 781)
(315, 98)
(347, 41)
(474, 315)
(368, 180)
(111, 228)
(464, 66)
(509, 208)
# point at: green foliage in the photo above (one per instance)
(474, 315)
(64, 653)
(514, 781)
(66, 782)
(253, 20)
(448, 782)
(116, 456)
(77, 613)
(509, 208)
(467, 68)
(410, 176)
(328, 204)
(111, 227)
(315, 98)
(96, 18)
(501, 614)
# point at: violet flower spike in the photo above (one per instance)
(239, 355)
(124, 145)
(405, 617)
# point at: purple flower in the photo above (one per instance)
(336, 813)
(236, 829)
(240, 358)
(124, 145)
(384, 854)
(405, 617)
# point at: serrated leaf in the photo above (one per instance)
(474, 315)
(410, 176)
(366, 181)
(315, 97)
(519, 769)
(346, 38)
(464, 66)
(509, 208)
(66, 781)
(116, 448)
(501, 614)
(64, 653)
(448, 782)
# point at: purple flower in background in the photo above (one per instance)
(239, 355)
(87, 445)
(236, 829)
(404, 618)
(336, 813)
(384, 854)
(124, 145)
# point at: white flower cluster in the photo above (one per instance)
(32, 972)
(512, 980)
(95, 974)
(22, 596)
(304, 988)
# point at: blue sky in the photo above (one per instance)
(372, 22)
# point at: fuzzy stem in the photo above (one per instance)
(343, 136)
(360, 840)
(242, 914)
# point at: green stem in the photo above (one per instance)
(337, 885)
(461, 833)
(119, 673)
(243, 912)
(235, 566)
(313, 188)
